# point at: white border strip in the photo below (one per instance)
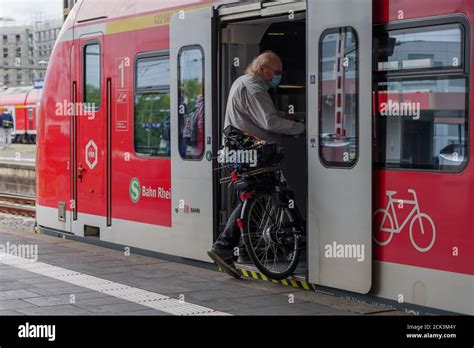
(142, 297)
(13, 159)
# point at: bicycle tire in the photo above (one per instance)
(246, 229)
(433, 232)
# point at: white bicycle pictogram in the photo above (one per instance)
(415, 215)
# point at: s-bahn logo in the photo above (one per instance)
(422, 229)
(135, 190)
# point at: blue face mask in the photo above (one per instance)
(275, 81)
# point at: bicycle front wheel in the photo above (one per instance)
(270, 236)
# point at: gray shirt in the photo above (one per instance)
(250, 109)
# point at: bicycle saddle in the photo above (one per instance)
(391, 193)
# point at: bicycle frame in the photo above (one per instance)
(391, 206)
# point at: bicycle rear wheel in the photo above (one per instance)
(270, 236)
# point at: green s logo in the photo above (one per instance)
(134, 190)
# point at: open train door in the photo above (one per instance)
(340, 139)
(192, 54)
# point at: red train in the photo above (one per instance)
(383, 175)
(23, 104)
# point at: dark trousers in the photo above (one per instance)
(229, 239)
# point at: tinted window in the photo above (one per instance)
(339, 97)
(421, 99)
(421, 48)
(153, 73)
(152, 107)
(422, 123)
(92, 75)
(191, 111)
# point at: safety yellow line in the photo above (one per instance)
(299, 284)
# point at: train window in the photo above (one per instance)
(152, 106)
(422, 124)
(92, 92)
(191, 111)
(30, 113)
(421, 98)
(338, 83)
(433, 48)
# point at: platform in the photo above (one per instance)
(73, 278)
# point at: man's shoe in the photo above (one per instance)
(226, 267)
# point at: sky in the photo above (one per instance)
(22, 11)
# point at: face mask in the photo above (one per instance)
(275, 81)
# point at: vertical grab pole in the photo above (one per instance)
(109, 152)
(74, 151)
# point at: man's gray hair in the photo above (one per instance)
(259, 62)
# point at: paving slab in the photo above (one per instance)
(14, 304)
(55, 310)
(16, 294)
(27, 293)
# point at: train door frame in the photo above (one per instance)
(321, 15)
(264, 14)
(89, 214)
(193, 176)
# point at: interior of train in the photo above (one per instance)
(240, 43)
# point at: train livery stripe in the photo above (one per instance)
(295, 283)
(148, 21)
(18, 106)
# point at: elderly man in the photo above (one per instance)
(250, 109)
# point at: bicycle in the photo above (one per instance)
(415, 215)
(271, 226)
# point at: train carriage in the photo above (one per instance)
(382, 176)
(23, 104)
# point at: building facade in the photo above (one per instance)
(25, 52)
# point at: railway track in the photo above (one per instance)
(17, 204)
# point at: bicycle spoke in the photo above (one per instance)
(269, 240)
